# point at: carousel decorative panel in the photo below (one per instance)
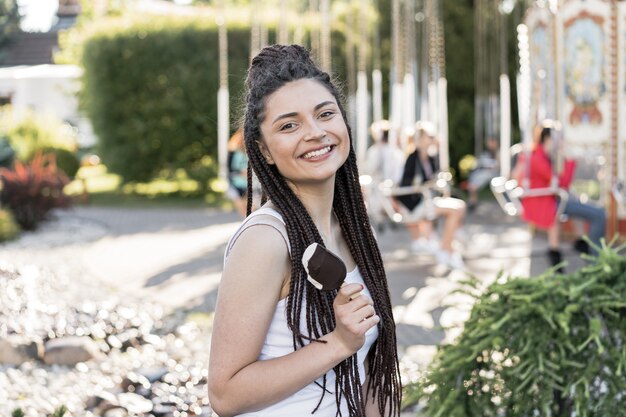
(584, 31)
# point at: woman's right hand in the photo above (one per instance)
(354, 316)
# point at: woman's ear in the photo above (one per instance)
(265, 152)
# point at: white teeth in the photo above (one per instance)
(316, 153)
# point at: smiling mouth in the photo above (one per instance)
(318, 152)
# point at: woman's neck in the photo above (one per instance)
(318, 201)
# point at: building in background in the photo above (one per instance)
(29, 79)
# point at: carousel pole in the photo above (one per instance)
(524, 97)
(362, 105)
(325, 31)
(442, 95)
(505, 106)
(255, 29)
(351, 71)
(558, 82)
(283, 30)
(263, 27)
(223, 108)
(433, 74)
(315, 29)
(612, 218)
(408, 93)
(424, 62)
(395, 114)
(479, 52)
(377, 75)
(300, 25)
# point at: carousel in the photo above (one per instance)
(572, 79)
(416, 80)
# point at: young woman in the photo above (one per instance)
(422, 165)
(279, 346)
(541, 211)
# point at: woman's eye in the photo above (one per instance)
(326, 114)
(287, 126)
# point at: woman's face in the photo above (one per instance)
(547, 145)
(303, 131)
(427, 144)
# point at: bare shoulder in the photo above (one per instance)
(258, 260)
(261, 238)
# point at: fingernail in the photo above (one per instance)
(362, 286)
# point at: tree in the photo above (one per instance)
(9, 19)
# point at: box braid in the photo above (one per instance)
(272, 68)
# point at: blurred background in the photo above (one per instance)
(118, 122)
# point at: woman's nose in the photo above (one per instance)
(314, 132)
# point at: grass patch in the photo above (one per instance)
(94, 185)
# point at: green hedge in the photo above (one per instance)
(150, 90)
(554, 345)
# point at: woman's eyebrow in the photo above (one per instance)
(292, 114)
(284, 116)
(323, 103)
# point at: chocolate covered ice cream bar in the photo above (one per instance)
(325, 270)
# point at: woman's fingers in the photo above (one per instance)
(347, 293)
(358, 308)
(355, 315)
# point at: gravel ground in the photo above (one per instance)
(151, 364)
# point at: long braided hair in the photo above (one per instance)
(272, 68)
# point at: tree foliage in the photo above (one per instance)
(9, 19)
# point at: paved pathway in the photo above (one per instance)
(174, 257)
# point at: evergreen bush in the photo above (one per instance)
(67, 161)
(553, 345)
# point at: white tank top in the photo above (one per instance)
(279, 342)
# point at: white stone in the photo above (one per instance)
(71, 350)
(15, 350)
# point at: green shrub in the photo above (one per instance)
(32, 190)
(9, 229)
(67, 161)
(554, 345)
(32, 132)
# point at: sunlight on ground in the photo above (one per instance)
(96, 185)
(95, 179)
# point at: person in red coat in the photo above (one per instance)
(541, 211)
